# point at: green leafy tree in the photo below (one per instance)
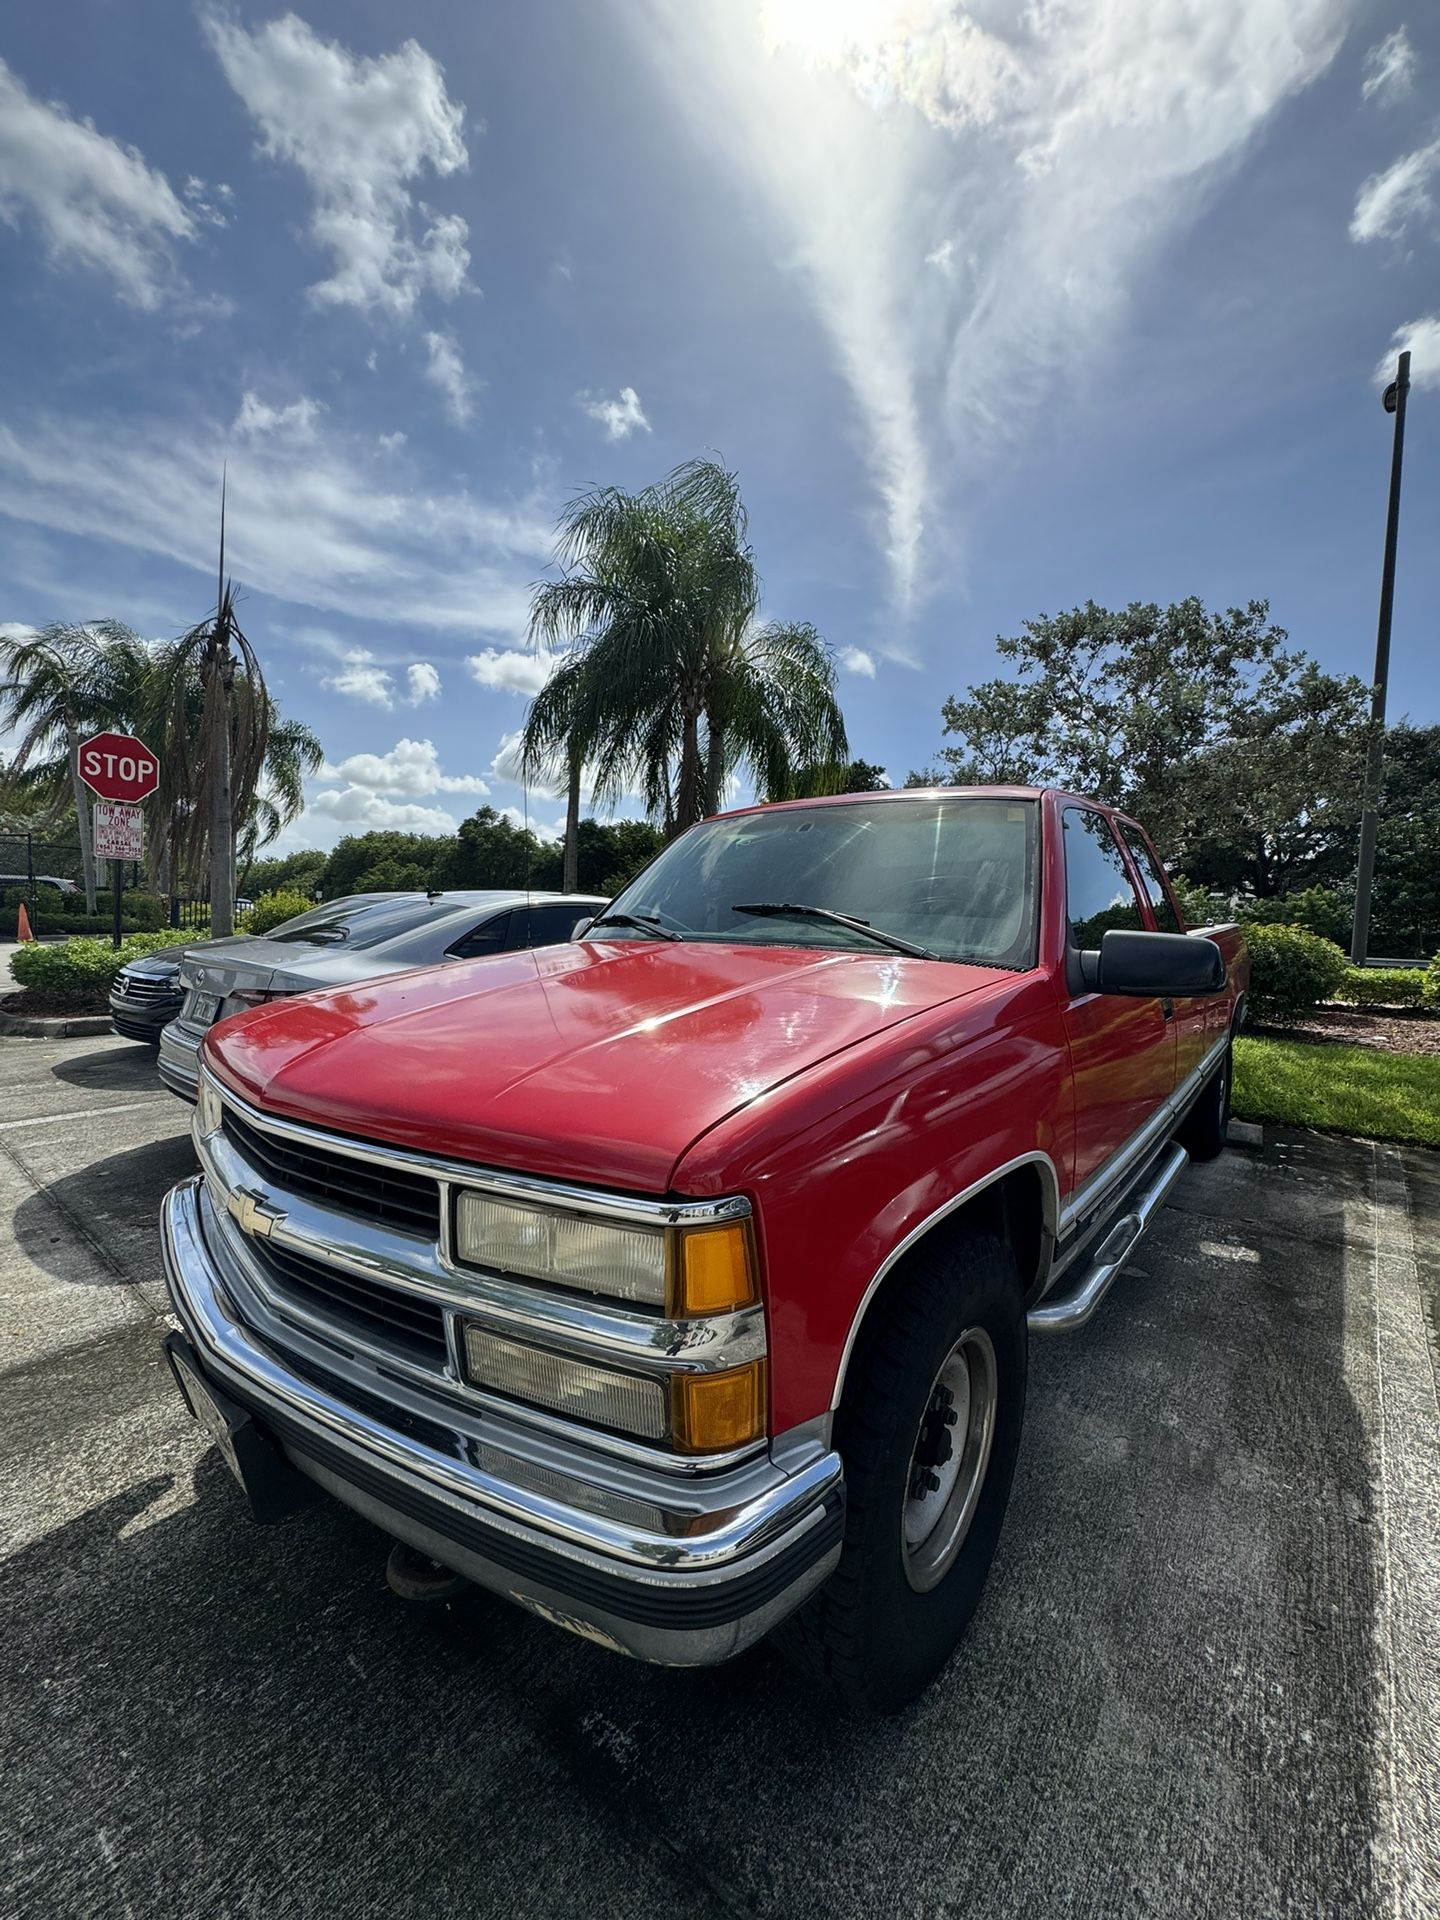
(856, 776)
(1242, 756)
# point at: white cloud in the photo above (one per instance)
(411, 768)
(1422, 337)
(357, 810)
(1389, 69)
(94, 201)
(423, 682)
(515, 671)
(393, 442)
(1389, 201)
(361, 130)
(857, 660)
(361, 680)
(329, 522)
(619, 417)
(445, 369)
(210, 212)
(297, 421)
(1060, 152)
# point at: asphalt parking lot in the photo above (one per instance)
(1205, 1678)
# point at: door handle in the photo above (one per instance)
(1167, 1009)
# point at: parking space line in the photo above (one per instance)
(86, 1113)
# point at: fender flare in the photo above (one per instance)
(1050, 1205)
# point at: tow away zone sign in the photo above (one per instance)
(119, 834)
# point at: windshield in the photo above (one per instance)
(358, 922)
(951, 874)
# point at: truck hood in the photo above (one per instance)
(599, 1062)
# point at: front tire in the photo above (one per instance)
(1204, 1129)
(929, 1431)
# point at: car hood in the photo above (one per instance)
(602, 1061)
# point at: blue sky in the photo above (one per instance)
(994, 309)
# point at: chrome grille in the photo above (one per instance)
(365, 1306)
(387, 1195)
(148, 988)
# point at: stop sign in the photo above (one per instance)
(117, 767)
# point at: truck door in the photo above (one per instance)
(1122, 1050)
(1193, 1015)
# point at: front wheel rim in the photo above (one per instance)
(948, 1460)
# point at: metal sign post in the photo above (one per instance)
(119, 836)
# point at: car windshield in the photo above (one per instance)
(944, 872)
(360, 923)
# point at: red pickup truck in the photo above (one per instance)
(678, 1281)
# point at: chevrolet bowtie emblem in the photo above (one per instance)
(253, 1212)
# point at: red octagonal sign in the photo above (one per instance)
(117, 767)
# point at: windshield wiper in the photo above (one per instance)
(793, 910)
(646, 923)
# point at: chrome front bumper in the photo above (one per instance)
(684, 1572)
(180, 1060)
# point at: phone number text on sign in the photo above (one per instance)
(119, 832)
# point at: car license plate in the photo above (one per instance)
(207, 1410)
(203, 1008)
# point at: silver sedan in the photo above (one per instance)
(349, 940)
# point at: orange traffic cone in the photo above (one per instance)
(22, 925)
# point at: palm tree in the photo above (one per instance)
(233, 771)
(62, 683)
(658, 603)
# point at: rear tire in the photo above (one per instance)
(1204, 1129)
(916, 1554)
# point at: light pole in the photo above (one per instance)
(1375, 756)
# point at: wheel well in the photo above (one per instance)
(1014, 1208)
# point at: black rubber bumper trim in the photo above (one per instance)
(646, 1603)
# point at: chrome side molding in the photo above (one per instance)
(1073, 1308)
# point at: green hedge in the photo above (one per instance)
(1383, 986)
(272, 909)
(51, 911)
(81, 971)
(1431, 990)
(1291, 971)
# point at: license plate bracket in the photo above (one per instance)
(203, 1009)
(270, 1484)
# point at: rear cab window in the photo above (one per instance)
(1151, 879)
(1099, 893)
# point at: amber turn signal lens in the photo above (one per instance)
(716, 1270)
(712, 1412)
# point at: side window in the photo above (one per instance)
(1099, 893)
(488, 937)
(1166, 918)
(549, 926)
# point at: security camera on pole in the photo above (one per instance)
(121, 772)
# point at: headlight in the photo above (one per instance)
(685, 1270)
(208, 1111)
(691, 1412)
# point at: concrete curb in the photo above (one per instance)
(68, 1028)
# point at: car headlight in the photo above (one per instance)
(208, 1110)
(690, 1412)
(686, 1270)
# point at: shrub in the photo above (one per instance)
(271, 909)
(81, 971)
(1383, 986)
(1291, 971)
(1316, 909)
(1431, 989)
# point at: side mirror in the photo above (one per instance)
(1155, 965)
(582, 927)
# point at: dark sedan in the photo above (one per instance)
(146, 996)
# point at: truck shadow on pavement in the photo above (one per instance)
(114, 1204)
(1164, 1706)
